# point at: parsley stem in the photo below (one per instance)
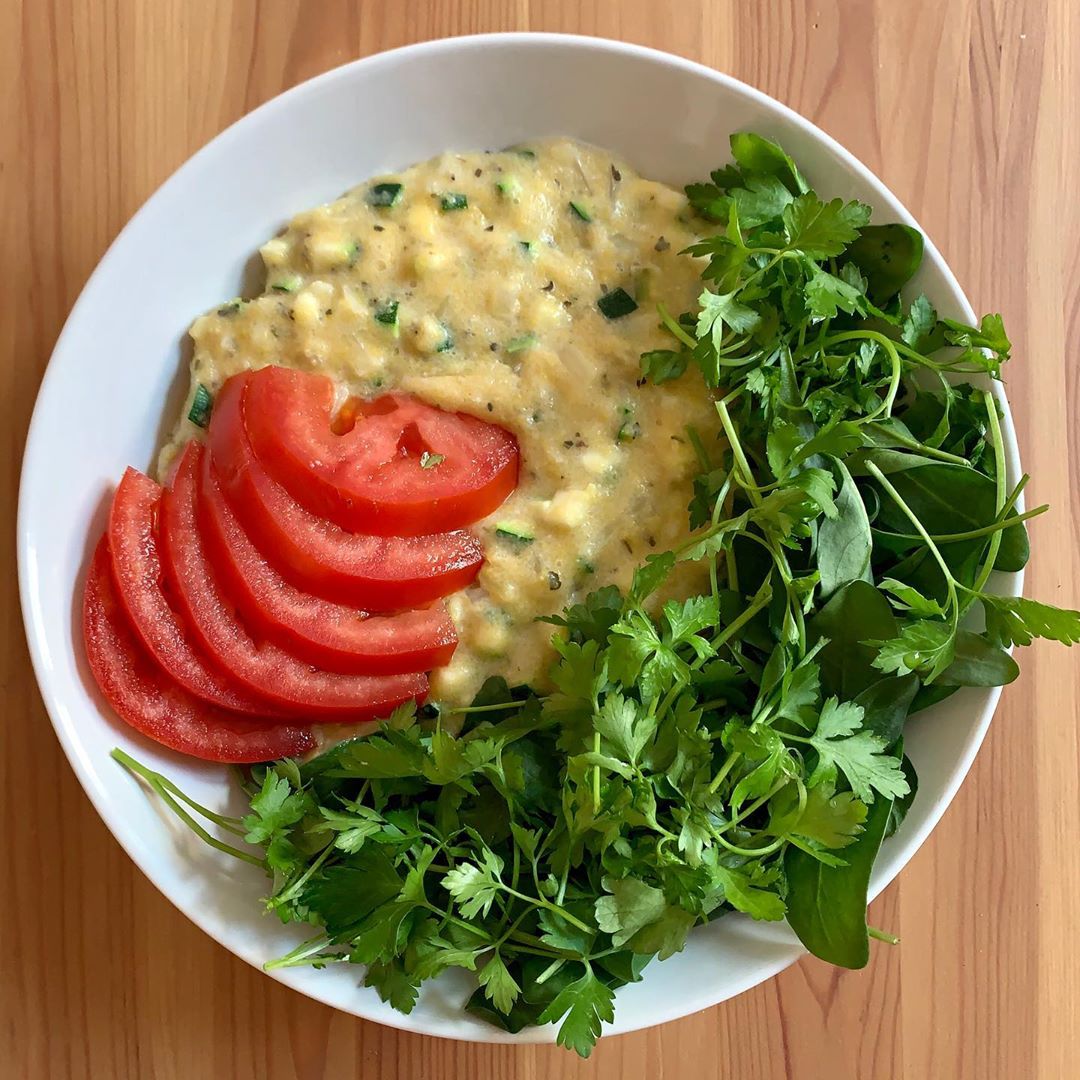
(288, 893)
(761, 600)
(757, 803)
(699, 447)
(230, 824)
(300, 955)
(999, 489)
(500, 707)
(541, 901)
(741, 464)
(200, 832)
(922, 448)
(718, 779)
(753, 853)
(950, 581)
(595, 775)
(886, 407)
(549, 971)
(674, 328)
(881, 935)
(157, 784)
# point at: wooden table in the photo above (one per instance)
(968, 110)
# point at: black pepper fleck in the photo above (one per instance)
(478, 172)
(379, 228)
(548, 287)
(554, 581)
(651, 541)
(661, 245)
(626, 544)
(568, 443)
(566, 303)
(490, 228)
(490, 406)
(615, 174)
(494, 346)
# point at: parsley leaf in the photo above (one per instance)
(859, 755)
(586, 1005)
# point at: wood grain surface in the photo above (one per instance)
(969, 111)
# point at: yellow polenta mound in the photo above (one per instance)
(475, 286)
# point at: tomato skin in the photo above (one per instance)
(146, 699)
(368, 572)
(331, 636)
(366, 474)
(138, 577)
(259, 666)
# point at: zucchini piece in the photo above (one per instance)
(580, 210)
(510, 530)
(288, 284)
(231, 307)
(616, 304)
(518, 344)
(526, 246)
(629, 428)
(523, 152)
(453, 200)
(384, 195)
(387, 314)
(202, 404)
(509, 187)
(428, 460)
(447, 342)
(643, 285)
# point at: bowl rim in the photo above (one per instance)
(417, 51)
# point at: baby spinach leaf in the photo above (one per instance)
(855, 614)
(827, 904)
(978, 662)
(886, 705)
(889, 256)
(759, 156)
(844, 542)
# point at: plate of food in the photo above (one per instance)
(541, 544)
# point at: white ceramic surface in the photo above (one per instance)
(111, 387)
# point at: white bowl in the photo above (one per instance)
(111, 388)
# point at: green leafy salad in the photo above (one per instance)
(742, 750)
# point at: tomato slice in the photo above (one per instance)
(259, 666)
(145, 698)
(394, 467)
(370, 572)
(136, 562)
(331, 636)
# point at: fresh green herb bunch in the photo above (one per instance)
(738, 750)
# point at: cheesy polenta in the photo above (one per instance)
(522, 287)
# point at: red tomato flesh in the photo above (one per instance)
(259, 666)
(145, 698)
(136, 563)
(366, 469)
(369, 572)
(331, 636)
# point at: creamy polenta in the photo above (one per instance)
(479, 282)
